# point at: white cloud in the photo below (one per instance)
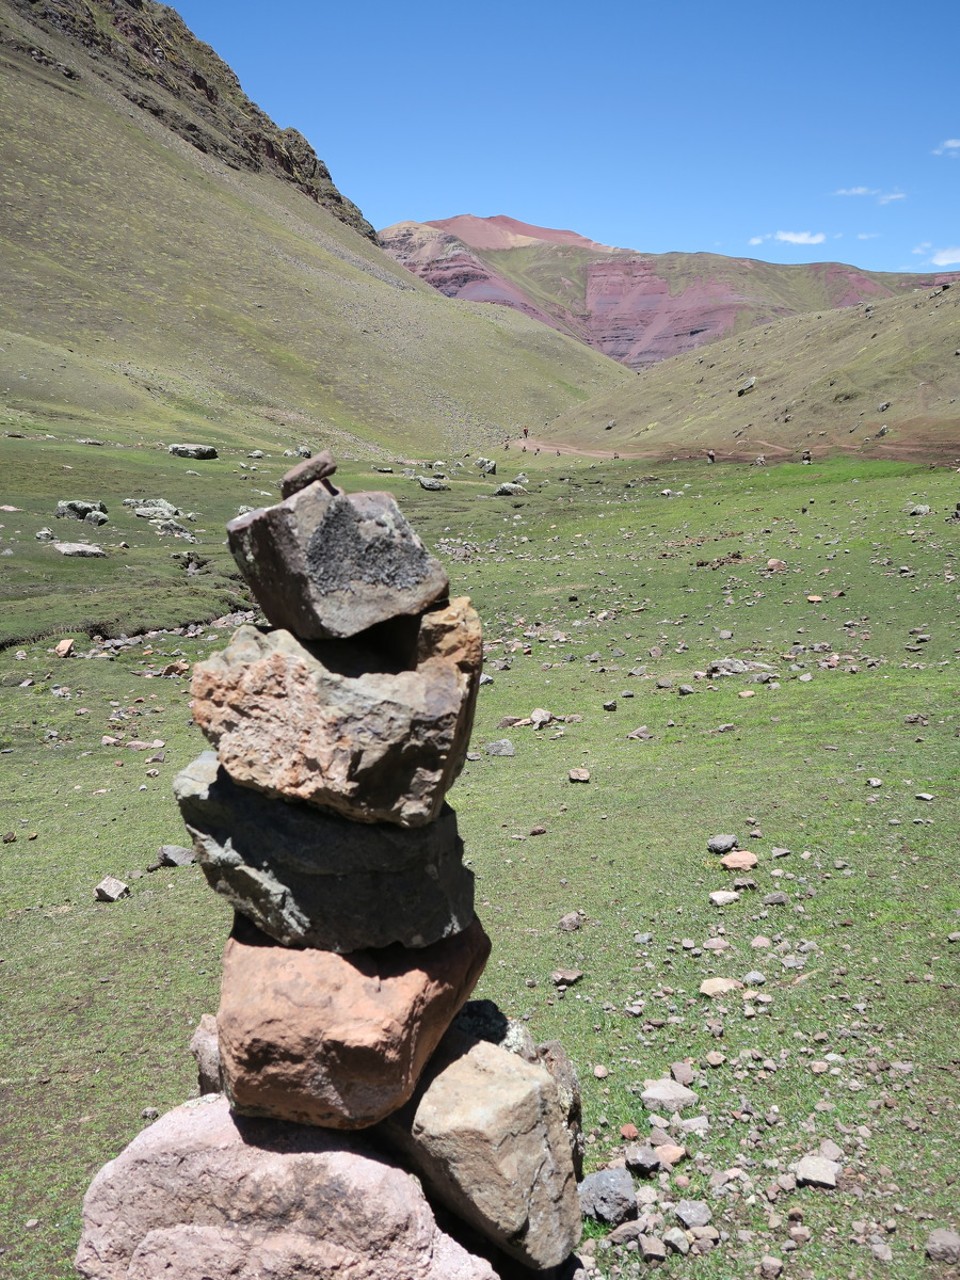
(946, 258)
(868, 235)
(883, 197)
(951, 148)
(922, 247)
(800, 237)
(757, 239)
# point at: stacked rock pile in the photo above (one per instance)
(321, 817)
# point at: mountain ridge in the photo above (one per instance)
(635, 307)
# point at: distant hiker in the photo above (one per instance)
(526, 432)
(806, 457)
(711, 456)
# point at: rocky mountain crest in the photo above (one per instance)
(147, 52)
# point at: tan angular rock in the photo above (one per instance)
(485, 1132)
(327, 725)
(739, 860)
(713, 987)
(339, 1041)
(202, 1193)
(324, 564)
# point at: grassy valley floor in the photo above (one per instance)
(604, 602)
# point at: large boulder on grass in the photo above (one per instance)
(204, 1193)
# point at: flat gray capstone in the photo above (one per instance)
(310, 878)
(329, 565)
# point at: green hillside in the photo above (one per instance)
(881, 378)
(154, 288)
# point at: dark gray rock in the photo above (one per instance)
(200, 452)
(501, 747)
(330, 565)
(608, 1196)
(175, 855)
(721, 844)
(642, 1159)
(78, 509)
(309, 878)
(943, 1245)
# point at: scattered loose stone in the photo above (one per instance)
(739, 860)
(175, 855)
(694, 1213)
(501, 747)
(110, 889)
(608, 1196)
(579, 775)
(652, 1248)
(943, 1245)
(199, 452)
(816, 1171)
(724, 897)
(676, 1240)
(721, 844)
(667, 1095)
(713, 987)
(80, 550)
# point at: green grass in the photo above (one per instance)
(100, 1001)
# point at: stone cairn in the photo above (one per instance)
(356, 1089)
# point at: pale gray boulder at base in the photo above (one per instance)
(202, 1193)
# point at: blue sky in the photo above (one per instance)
(792, 133)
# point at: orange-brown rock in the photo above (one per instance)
(333, 1040)
(332, 728)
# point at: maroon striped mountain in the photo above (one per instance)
(636, 307)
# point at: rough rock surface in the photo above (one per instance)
(339, 1041)
(328, 565)
(485, 1131)
(311, 878)
(206, 1051)
(335, 729)
(608, 1196)
(202, 1193)
(199, 452)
